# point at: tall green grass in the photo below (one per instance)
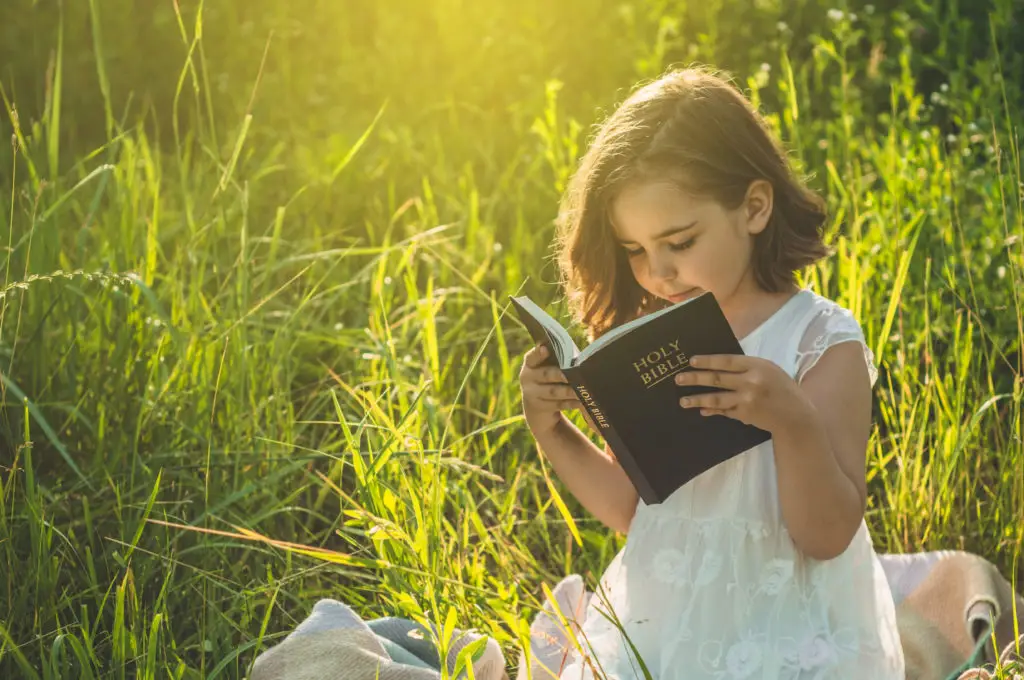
(254, 348)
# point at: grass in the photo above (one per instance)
(254, 348)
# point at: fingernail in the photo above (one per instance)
(685, 401)
(679, 378)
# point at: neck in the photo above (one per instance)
(748, 306)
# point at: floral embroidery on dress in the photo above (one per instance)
(815, 652)
(775, 575)
(742, 659)
(709, 660)
(709, 568)
(670, 566)
(818, 579)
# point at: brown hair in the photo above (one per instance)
(693, 127)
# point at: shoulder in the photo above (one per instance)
(826, 324)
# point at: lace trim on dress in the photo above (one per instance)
(830, 326)
(709, 526)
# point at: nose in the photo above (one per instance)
(661, 266)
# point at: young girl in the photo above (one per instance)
(762, 567)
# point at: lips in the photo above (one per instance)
(679, 297)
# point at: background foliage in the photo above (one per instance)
(254, 348)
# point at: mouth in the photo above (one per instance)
(679, 297)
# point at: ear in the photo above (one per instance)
(757, 206)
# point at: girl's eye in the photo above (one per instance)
(675, 246)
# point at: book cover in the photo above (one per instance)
(625, 380)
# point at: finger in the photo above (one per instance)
(714, 412)
(732, 363)
(553, 374)
(570, 404)
(714, 400)
(560, 392)
(548, 392)
(712, 378)
(537, 356)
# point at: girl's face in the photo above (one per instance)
(680, 245)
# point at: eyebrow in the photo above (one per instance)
(668, 232)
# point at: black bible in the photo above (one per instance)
(625, 380)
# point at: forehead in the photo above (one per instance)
(649, 207)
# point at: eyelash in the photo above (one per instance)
(675, 246)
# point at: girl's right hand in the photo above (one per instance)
(546, 393)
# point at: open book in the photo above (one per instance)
(625, 380)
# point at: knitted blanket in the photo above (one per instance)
(958, 619)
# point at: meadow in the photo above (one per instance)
(255, 347)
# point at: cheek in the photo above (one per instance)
(638, 265)
(634, 266)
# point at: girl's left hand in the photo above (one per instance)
(755, 391)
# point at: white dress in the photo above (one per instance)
(709, 584)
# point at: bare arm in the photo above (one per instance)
(593, 476)
(820, 456)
